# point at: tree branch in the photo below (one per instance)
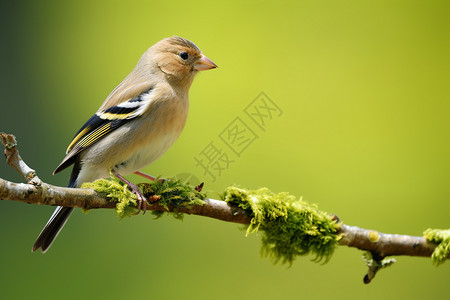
(364, 239)
(47, 194)
(384, 244)
(379, 244)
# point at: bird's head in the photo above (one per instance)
(179, 59)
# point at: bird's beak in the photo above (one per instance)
(204, 63)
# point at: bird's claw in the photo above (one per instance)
(141, 200)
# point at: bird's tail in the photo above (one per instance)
(57, 220)
(52, 228)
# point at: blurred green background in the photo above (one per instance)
(363, 86)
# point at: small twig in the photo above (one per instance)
(375, 264)
(14, 160)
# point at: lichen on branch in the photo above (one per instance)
(173, 195)
(440, 237)
(170, 195)
(115, 191)
(290, 227)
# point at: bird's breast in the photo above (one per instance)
(146, 154)
(152, 136)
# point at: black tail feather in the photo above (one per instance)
(53, 227)
(58, 219)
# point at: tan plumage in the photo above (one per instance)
(135, 125)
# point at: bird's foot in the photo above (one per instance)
(147, 176)
(141, 200)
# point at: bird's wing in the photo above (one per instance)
(107, 120)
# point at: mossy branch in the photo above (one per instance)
(290, 227)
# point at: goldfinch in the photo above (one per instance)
(135, 125)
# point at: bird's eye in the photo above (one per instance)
(184, 55)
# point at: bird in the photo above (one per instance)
(139, 120)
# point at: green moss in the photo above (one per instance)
(173, 194)
(117, 192)
(442, 239)
(289, 227)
